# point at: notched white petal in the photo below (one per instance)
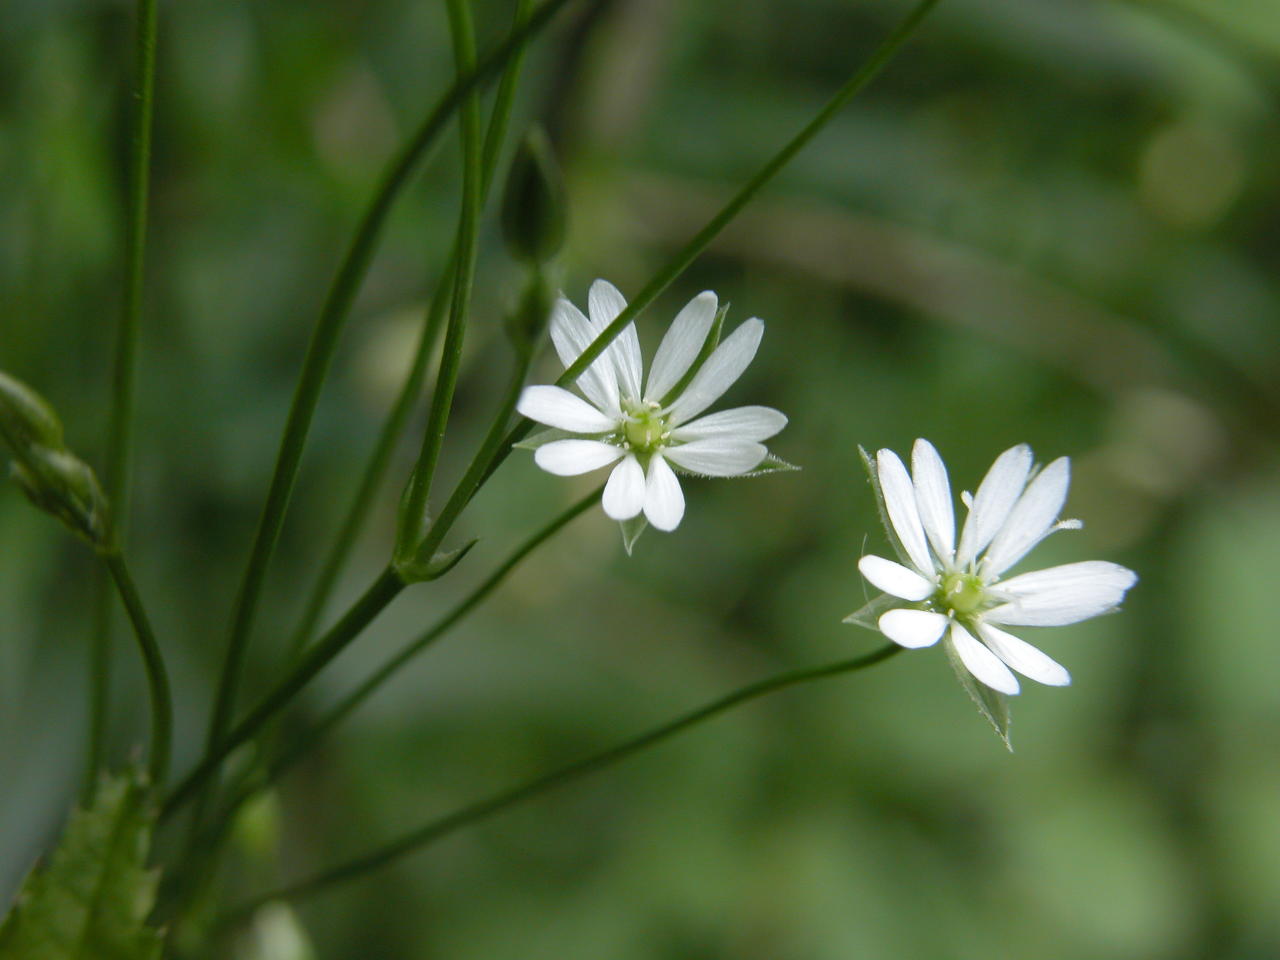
(740, 423)
(981, 662)
(996, 496)
(913, 628)
(571, 334)
(663, 499)
(568, 458)
(717, 456)
(1062, 595)
(681, 345)
(933, 497)
(720, 372)
(604, 303)
(557, 407)
(624, 493)
(900, 504)
(1032, 519)
(1023, 657)
(894, 578)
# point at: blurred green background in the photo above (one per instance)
(1053, 221)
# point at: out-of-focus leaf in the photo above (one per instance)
(91, 901)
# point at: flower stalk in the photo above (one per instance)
(482, 809)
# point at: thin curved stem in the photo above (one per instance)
(415, 506)
(443, 826)
(324, 340)
(124, 373)
(393, 426)
(375, 470)
(303, 744)
(455, 616)
(691, 250)
(153, 661)
(374, 600)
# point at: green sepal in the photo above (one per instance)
(92, 898)
(420, 571)
(868, 615)
(992, 704)
(631, 530)
(543, 437)
(770, 464)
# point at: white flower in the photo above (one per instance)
(956, 591)
(636, 423)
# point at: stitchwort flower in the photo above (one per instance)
(649, 429)
(956, 592)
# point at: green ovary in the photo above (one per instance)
(645, 432)
(962, 593)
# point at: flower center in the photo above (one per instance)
(962, 593)
(645, 430)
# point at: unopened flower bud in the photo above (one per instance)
(54, 479)
(26, 419)
(533, 203)
(61, 484)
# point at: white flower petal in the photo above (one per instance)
(717, 456)
(557, 407)
(1023, 657)
(663, 498)
(1031, 520)
(894, 578)
(718, 374)
(999, 491)
(571, 334)
(1061, 595)
(604, 303)
(900, 503)
(624, 493)
(680, 346)
(741, 423)
(981, 662)
(568, 458)
(913, 628)
(933, 497)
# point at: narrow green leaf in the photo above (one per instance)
(991, 703)
(92, 899)
(873, 477)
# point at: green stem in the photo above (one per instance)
(479, 468)
(865, 74)
(124, 375)
(320, 352)
(299, 748)
(392, 428)
(375, 470)
(153, 661)
(474, 812)
(354, 699)
(415, 507)
(374, 600)
(690, 252)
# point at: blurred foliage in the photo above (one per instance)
(1050, 220)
